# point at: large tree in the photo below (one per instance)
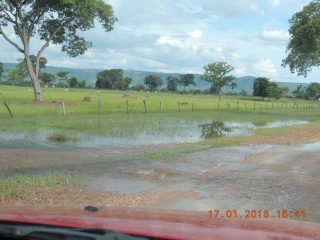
(218, 73)
(109, 79)
(153, 82)
(172, 83)
(62, 77)
(186, 80)
(304, 45)
(260, 87)
(55, 21)
(47, 78)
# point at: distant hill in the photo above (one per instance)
(89, 75)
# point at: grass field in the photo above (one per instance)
(84, 116)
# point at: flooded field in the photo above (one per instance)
(169, 132)
(265, 176)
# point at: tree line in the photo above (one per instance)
(59, 22)
(19, 76)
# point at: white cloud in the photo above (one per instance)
(274, 3)
(234, 9)
(196, 33)
(275, 36)
(265, 67)
(170, 41)
(235, 56)
(240, 70)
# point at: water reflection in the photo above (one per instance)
(214, 130)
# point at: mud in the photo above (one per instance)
(242, 177)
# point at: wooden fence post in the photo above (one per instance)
(218, 106)
(161, 106)
(63, 107)
(7, 107)
(254, 106)
(237, 105)
(127, 103)
(145, 106)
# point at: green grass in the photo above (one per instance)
(58, 137)
(83, 116)
(16, 186)
(168, 153)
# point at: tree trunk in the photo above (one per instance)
(34, 78)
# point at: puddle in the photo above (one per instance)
(166, 132)
(121, 185)
(311, 147)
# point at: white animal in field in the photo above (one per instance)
(67, 89)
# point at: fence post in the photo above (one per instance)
(218, 106)
(161, 106)
(254, 106)
(63, 107)
(7, 107)
(145, 106)
(237, 105)
(127, 103)
(179, 106)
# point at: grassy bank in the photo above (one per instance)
(19, 186)
(83, 116)
(20, 100)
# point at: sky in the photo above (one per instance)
(182, 36)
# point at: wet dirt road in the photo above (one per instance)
(242, 177)
(251, 177)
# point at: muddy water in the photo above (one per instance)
(251, 177)
(168, 132)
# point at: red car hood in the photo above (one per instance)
(168, 224)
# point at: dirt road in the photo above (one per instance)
(242, 177)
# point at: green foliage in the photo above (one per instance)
(113, 79)
(124, 84)
(58, 22)
(273, 91)
(47, 78)
(312, 90)
(186, 80)
(243, 93)
(62, 77)
(218, 74)
(73, 82)
(16, 76)
(260, 86)
(172, 83)
(304, 46)
(153, 82)
(300, 92)
(138, 87)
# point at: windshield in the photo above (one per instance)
(187, 105)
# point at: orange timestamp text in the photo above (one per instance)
(256, 214)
